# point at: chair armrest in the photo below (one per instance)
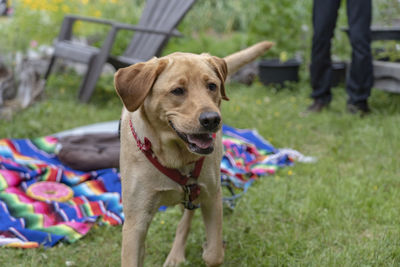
(69, 20)
(124, 26)
(89, 19)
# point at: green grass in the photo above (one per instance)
(342, 210)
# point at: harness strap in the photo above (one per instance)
(192, 191)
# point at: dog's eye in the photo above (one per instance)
(212, 86)
(178, 91)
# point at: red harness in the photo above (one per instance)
(192, 191)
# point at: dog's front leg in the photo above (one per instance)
(211, 209)
(138, 216)
(177, 253)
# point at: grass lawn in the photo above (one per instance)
(343, 210)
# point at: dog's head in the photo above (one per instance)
(179, 95)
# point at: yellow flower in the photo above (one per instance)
(283, 56)
(65, 9)
(97, 13)
(290, 172)
(35, 6)
(85, 2)
(53, 8)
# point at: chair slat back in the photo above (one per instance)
(162, 15)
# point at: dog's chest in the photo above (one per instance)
(171, 192)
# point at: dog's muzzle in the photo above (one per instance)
(202, 142)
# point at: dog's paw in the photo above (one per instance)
(173, 261)
(214, 257)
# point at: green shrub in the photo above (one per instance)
(40, 21)
(219, 27)
(285, 22)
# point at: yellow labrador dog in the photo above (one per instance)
(171, 146)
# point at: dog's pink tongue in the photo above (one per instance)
(201, 140)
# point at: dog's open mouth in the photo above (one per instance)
(200, 143)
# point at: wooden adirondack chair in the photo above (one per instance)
(157, 24)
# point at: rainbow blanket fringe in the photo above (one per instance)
(27, 223)
(247, 156)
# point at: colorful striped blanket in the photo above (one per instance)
(26, 222)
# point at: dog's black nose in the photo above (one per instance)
(210, 120)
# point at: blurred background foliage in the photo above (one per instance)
(219, 27)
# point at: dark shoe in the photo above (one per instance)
(361, 108)
(317, 106)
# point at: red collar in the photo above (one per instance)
(192, 191)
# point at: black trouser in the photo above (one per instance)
(360, 80)
(3, 7)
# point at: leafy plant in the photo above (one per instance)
(387, 51)
(282, 21)
(386, 12)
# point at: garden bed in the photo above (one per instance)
(387, 76)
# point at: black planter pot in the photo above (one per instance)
(272, 71)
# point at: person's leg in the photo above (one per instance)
(360, 80)
(325, 14)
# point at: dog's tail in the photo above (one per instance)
(241, 58)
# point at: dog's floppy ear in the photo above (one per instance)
(221, 70)
(133, 83)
